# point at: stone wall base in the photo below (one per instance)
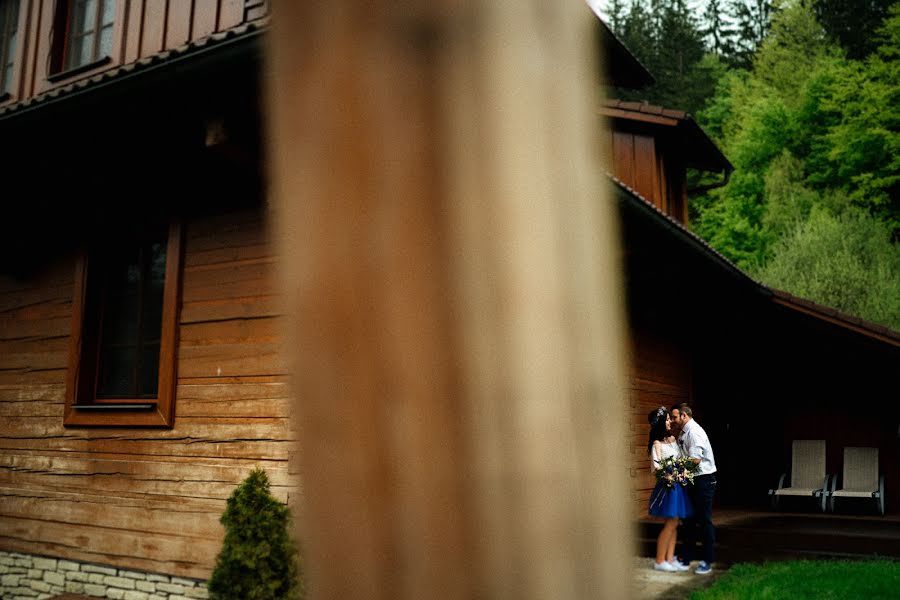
(30, 577)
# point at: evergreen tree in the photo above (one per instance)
(666, 37)
(751, 18)
(853, 23)
(616, 12)
(718, 30)
(258, 560)
(795, 45)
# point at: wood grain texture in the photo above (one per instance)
(153, 32)
(178, 23)
(660, 375)
(204, 18)
(133, 30)
(449, 273)
(231, 14)
(162, 491)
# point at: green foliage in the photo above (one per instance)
(788, 200)
(667, 38)
(815, 140)
(843, 260)
(795, 46)
(258, 560)
(806, 580)
(852, 24)
(863, 148)
(752, 19)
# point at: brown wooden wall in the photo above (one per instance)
(661, 375)
(642, 161)
(143, 498)
(142, 28)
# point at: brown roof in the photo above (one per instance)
(646, 108)
(196, 47)
(827, 313)
(700, 151)
(779, 297)
(623, 69)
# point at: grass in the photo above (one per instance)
(802, 579)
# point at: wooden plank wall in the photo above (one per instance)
(142, 498)
(636, 164)
(143, 28)
(660, 375)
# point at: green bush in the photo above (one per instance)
(258, 560)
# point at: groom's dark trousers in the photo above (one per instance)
(700, 525)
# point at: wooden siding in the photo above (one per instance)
(660, 376)
(140, 498)
(648, 165)
(142, 28)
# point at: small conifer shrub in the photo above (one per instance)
(258, 560)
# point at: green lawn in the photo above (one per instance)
(818, 579)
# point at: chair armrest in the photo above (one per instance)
(780, 484)
(823, 493)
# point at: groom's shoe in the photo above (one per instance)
(664, 566)
(679, 566)
(704, 569)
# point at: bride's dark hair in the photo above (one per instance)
(657, 420)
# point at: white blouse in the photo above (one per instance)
(660, 451)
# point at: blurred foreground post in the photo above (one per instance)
(450, 268)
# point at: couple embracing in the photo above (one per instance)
(682, 460)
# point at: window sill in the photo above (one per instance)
(114, 407)
(62, 75)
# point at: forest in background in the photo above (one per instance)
(803, 97)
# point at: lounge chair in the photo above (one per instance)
(861, 478)
(808, 476)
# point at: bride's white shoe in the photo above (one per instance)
(664, 566)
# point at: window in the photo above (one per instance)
(122, 352)
(88, 27)
(9, 21)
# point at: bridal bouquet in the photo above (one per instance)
(676, 469)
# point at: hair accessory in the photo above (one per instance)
(655, 416)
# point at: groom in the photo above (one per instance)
(695, 444)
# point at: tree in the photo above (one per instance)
(863, 147)
(616, 12)
(788, 200)
(718, 30)
(795, 45)
(751, 18)
(852, 24)
(666, 37)
(258, 560)
(845, 261)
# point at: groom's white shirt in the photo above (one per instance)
(695, 443)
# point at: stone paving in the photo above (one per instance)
(658, 585)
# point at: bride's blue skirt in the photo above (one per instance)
(670, 502)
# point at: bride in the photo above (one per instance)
(670, 503)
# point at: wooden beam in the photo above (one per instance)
(451, 276)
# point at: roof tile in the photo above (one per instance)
(161, 57)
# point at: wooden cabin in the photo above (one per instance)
(761, 367)
(141, 372)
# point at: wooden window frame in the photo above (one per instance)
(7, 95)
(81, 407)
(62, 21)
